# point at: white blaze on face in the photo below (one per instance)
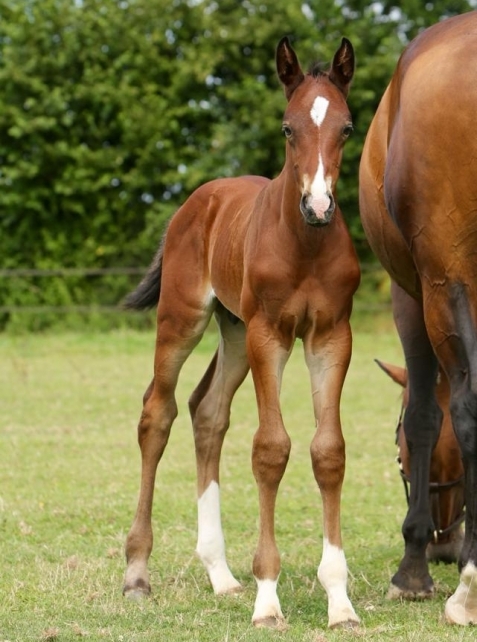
(320, 186)
(319, 109)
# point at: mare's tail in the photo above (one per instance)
(147, 293)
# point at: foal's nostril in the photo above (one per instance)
(304, 201)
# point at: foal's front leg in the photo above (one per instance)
(271, 449)
(328, 364)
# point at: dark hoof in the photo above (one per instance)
(398, 593)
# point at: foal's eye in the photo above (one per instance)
(347, 130)
(287, 130)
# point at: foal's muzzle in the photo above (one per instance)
(317, 211)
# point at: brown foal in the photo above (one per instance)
(273, 261)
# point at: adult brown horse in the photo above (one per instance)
(418, 195)
(446, 480)
(273, 261)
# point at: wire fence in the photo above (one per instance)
(22, 272)
(362, 302)
(64, 273)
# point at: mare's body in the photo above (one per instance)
(418, 201)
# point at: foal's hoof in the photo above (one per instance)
(271, 622)
(233, 590)
(137, 592)
(348, 625)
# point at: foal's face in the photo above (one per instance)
(316, 125)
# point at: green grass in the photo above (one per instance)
(69, 475)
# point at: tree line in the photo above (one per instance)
(113, 111)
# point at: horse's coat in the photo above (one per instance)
(418, 201)
(273, 261)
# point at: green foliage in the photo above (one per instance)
(113, 111)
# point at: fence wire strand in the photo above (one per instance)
(64, 272)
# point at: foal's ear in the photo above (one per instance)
(288, 67)
(342, 68)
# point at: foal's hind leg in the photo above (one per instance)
(210, 410)
(174, 343)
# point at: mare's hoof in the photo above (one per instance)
(271, 622)
(398, 593)
(461, 607)
(458, 614)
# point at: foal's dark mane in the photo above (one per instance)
(316, 70)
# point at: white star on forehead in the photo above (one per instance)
(319, 109)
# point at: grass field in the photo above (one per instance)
(69, 475)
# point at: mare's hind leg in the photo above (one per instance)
(210, 411)
(422, 422)
(175, 341)
(461, 607)
(328, 363)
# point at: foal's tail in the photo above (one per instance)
(147, 293)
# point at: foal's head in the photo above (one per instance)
(316, 124)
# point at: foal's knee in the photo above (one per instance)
(209, 426)
(270, 456)
(156, 418)
(328, 459)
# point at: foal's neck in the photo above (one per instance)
(288, 196)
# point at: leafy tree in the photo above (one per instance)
(113, 111)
